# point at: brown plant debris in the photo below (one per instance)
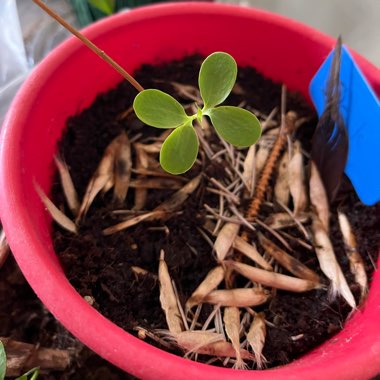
(318, 196)
(210, 283)
(122, 168)
(4, 248)
(251, 252)
(67, 186)
(329, 264)
(270, 164)
(57, 215)
(104, 174)
(231, 320)
(289, 262)
(256, 339)
(238, 297)
(207, 343)
(356, 261)
(297, 184)
(24, 356)
(225, 240)
(272, 279)
(281, 188)
(168, 298)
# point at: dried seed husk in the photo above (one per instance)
(231, 319)
(265, 146)
(168, 298)
(101, 177)
(4, 248)
(108, 186)
(122, 168)
(155, 183)
(281, 220)
(179, 197)
(187, 91)
(256, 339)
(142, 162)
(225, 240)
(211, 282)
(249, 169)
(208, 343)
(318, 196)
(329, 264)
(297, 179)
(272, 279)
(153, 215)
(281, 188)
(240, 297)
(67, 186)
(287, 261)
(251, 252)
(151, 148)
(57, 215)
(356, 261)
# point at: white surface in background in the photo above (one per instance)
(358, 21)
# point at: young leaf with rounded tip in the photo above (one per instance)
(217, 76)
(236, 125)
(158, 109)
(179, 150)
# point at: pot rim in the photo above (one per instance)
(113, 343)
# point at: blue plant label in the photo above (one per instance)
(360, 109)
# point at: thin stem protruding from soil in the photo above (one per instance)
(90, 45)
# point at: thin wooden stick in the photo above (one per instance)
(90, 45)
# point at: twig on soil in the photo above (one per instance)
(23, 356)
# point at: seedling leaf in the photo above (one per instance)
(179, 150)
(34, 372)
(237, 126)
(160, 110)
(217, 76)
(105, 6)
(3, 361)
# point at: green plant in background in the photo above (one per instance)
(30, 375)
(3, 361)
(88, 11)
(237, 126)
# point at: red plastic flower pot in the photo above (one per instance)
(68, 80)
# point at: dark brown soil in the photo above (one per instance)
(100, 266)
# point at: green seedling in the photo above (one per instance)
(235, 125)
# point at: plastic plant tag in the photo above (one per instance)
(360, 109)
